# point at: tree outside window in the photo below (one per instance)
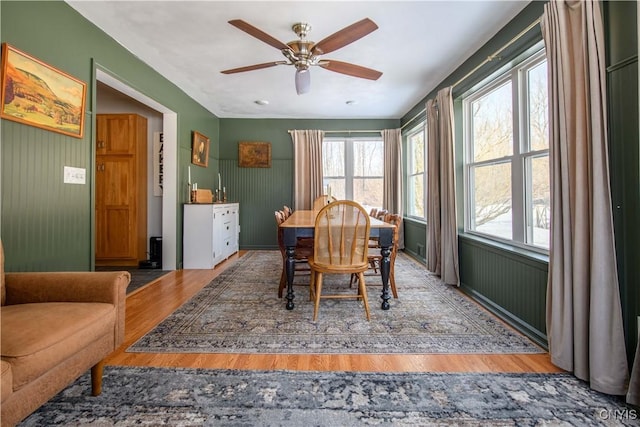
(354, 169)
(507, 156)
(416, 172)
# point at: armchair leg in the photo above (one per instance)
(96, 378)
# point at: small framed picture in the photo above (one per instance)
(254, 154)
(200, 149)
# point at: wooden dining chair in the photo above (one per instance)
(322, 201)
(304, 249)
(375, 257)
(341, 237)
(380, 214)
(373, 241)
(287, 211)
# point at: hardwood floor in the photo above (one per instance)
(148, 306)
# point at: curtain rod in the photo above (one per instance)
(483, 63)
(345, 131)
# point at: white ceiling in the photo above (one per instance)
(417, 45)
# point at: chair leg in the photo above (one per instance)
(312, 285)
(374, 265)
(283, 279)
(96, 378)
(318, 292)
(362, 290)
(392, 280)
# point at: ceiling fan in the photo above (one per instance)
(303, 53)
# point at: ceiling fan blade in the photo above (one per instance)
(345, 36)
(350, 69)
(257, 33)
(253, 67)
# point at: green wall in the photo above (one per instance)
(261, 191)
(624, 142)
(45, 224)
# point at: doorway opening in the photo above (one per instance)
(167, 121)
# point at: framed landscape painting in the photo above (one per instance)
(37, 94)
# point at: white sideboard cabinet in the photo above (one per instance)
(211, 233)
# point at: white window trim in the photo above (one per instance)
(520, 231)
(348, 158)
(420, 127)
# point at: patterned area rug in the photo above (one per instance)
(239, 312)
(135, 396)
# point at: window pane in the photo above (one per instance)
(368, 191)
(539, 215)
(416, 195)
(333, 158)
(337, 187)
(492, 125)
(416, 153)
(492, 199)
(538, 107)
(368, 158)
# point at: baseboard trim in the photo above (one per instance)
(521, 326)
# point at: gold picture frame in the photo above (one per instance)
(200, 149)
(37, 94)
(254, 154)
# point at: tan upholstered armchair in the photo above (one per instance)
(54, 327)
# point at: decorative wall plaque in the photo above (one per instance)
(254, 154)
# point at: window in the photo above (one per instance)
(354, 168)
(507, 156)
(416, 177)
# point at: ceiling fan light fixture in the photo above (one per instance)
(303, 81)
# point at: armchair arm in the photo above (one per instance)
(81, 286)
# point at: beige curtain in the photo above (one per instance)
(392, 191)
(441, 190)
(448, 210)
(307, 167)
(432, 189)
(584, 316)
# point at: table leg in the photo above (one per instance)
(385, 267)
(291, 268)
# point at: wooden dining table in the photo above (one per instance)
(301, 223)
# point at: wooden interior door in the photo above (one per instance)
(116, 212)
(120, 189)
(116, 134)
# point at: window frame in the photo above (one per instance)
(420, 127)
(349, 167)
(519, 160)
